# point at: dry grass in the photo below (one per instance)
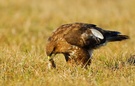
(26, 24)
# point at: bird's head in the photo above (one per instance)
(50, 53)
(49, 50)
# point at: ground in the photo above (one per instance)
(25, 26)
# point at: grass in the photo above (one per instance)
(25, 26)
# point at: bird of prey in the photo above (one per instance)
(76, 41)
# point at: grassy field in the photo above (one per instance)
(25, 26)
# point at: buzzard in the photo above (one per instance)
(76, 41)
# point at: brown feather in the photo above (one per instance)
(76, 40)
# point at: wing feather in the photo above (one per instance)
(84, 35)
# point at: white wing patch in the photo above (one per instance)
(97, 33)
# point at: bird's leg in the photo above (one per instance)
(81, 57)
(88, 59)
(87, 63)
(51, 63)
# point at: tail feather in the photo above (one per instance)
(115, 36)
(111, 33)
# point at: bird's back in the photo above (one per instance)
(84, 35)
(66, 29)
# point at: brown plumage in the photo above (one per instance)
(77, 41)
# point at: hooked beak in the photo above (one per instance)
(51, 63)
